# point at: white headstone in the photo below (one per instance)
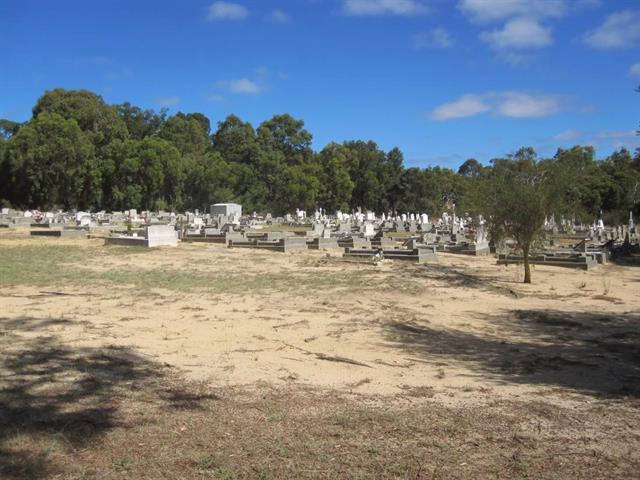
(162, 236)
(369, 230)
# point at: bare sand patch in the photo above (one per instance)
(461, 328)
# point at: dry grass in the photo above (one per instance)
(111, 414)
(72, 266)
(102, 411)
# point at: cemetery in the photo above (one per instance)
(496, 335)
(401, 237)
(318, 240)
(425, 315)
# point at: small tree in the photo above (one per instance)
(516, 196)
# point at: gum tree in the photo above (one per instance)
(517, 194)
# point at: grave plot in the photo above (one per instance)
(59, 233)
(283, 245)
(155, 236)
(579, 261)
(416, 255)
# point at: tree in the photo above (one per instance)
(288, 136)
(470, 168)
(236, 141)
(50, 163)
(391, 177)
(517, 197)
(365, 161)
(623, 181)
(98, 120)
(8, 128)
(186, 133)
(210, 179)
(140, 123)
(144, 174)
(337, 183)
(141, 158)
(287, 164)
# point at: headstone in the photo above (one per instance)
(162, 236)
(369, 230)
(344, 227)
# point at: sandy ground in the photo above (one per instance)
(457, 330)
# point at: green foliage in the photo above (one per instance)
(98, 120)
(517, 194)
(337, 182)
(8, 128)
(78, 152)
(140, 123)
(50, 162)
(145, 173)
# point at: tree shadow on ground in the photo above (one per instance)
(594, 353)
(458, 277)
(69, 395)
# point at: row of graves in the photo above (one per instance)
(361, 236)
(149, 229)
(582, 247)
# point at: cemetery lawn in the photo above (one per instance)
(206, 362)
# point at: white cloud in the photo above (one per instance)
(515, 59)
(612, 135)
(509, 104)
(525, 105)
(619, 139)
(254, 84)
(519, 33)
(619, 30)
(569, 135)
(586, 4)
(215, 98)
(435, 38)
(168, 101)
(242, 86)
(494, 10)
(465, 106)
(278, 16)
(119, 74)
(227, 11)
(384, 7)
(111, 68)
(634, 70)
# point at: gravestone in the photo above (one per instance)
(344, 227)
(369, 230)
(161, 236)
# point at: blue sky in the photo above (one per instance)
(444, 80)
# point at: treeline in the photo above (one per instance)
(78, 152)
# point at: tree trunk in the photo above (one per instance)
(527, 266)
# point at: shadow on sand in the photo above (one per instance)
(593, 353)
(68, 395)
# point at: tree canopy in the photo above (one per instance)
(77, 151)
